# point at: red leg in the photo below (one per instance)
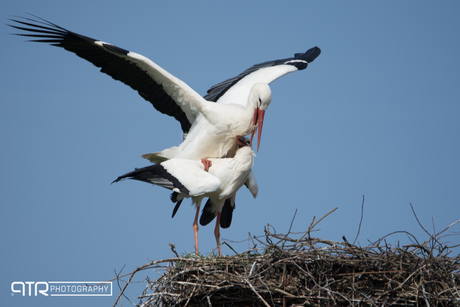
(217, 233)
(207, 164)
(195, 229)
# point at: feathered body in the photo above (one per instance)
(187, 178)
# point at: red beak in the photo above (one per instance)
(259, 121)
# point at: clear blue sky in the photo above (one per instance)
(377, 114)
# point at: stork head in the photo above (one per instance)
(262, 96)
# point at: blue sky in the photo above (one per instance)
(377, 114)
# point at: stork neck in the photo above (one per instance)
(252, 105)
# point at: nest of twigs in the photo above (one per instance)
(298, 270)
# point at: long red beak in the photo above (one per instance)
(259, 121)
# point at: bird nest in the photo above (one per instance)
(299, 270)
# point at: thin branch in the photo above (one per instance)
(360, 222)
(416, 217)
(313, 224)
(257, 293)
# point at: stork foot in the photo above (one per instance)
(207, 164)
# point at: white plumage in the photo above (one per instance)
(212, 124)
(210, 127)
(189, 179)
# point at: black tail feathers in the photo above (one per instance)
(207, 215)
(175, 200)
(227, 214)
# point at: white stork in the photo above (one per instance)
(211, 128)
(188, 178)
(202, 121)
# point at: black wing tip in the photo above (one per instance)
(176, 207)
(18, 18)
(310, 55)
(107, 58)
(35, 22)
(207, 215)
(130, 175)
(227, 214)
(301, 60)
(116, 180)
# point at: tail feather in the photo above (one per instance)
(176, 207)
(174, 197)
(207, 215)
(177, 199)
(227, 214)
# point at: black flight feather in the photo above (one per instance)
(109, 59)
(157, 175)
